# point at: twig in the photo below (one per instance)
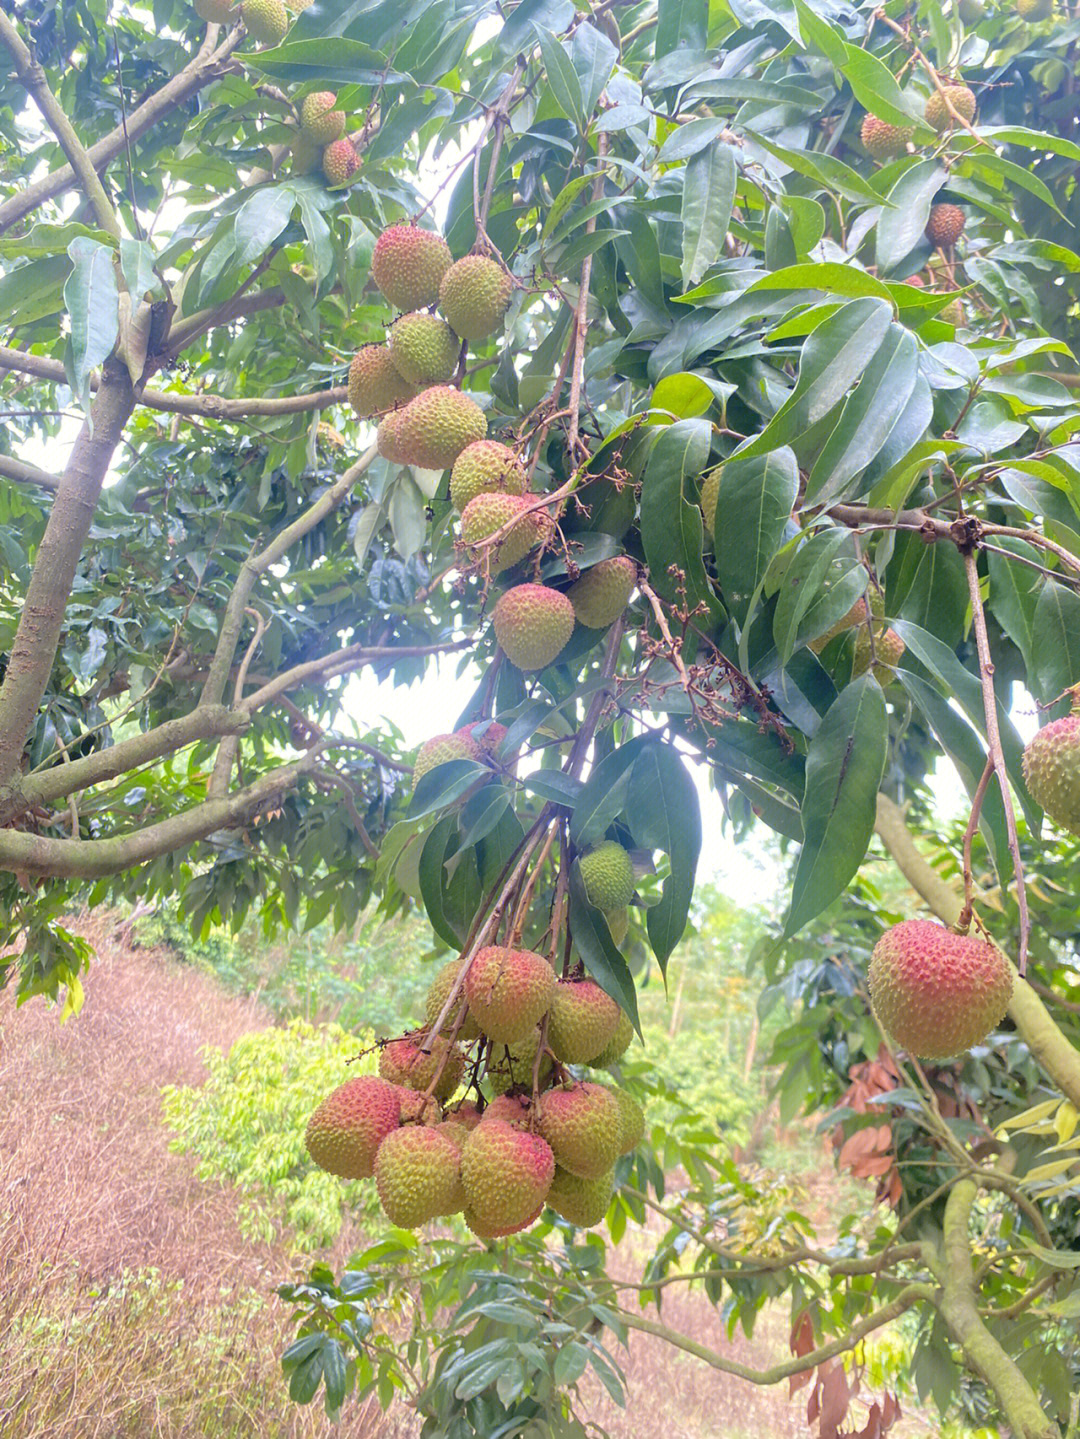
(581, 323)
(964, 922)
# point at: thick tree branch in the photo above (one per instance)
(23, 474)
(1032, 1019)
(238, 307)
(206, 66)
(34, 81)
(41, 621)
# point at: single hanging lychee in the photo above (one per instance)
(885, 141)
(959, 97)
(583, 1202)
(433, 429)
(888, 651)
(1052, 770)
(408, 264)
(340, 161)
(508, 990)
(505, 1175)
(485, 515)
(602, 593)
(217, 12)
(532, 624)
(473, 296)
(582, 1022)
(608, 875)
(441, 749)
(583, 1125)
(937, 993)
(375, 384)
(486, 465)
(320, 118)
(945, 225)
(418, 1176)
(347, 1128)
(266, 21)
(423, 348)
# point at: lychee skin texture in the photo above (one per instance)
(340, 162)
(375, 384)
(319, 118)
(960, 98)
(888, 652)
(415, 1109)
(584, 1128)
(582, 1022)
(512, 1064)
(347, 1128)
(473, 296)
(432, 430)
(631, 1120)
(710, 493)
(488, 734)
(388, 440)
(1035, 10)
(436, 998)
(601, 595)
(418, 1176)
(945, 225)
(266, 21)
(505, 1175)
(515, 1109)
(953, 314)
(408, 264)
(937, 993)
(482, 1232)
(441, 749)
(855, 616)
(885, 141)
(216, 12)
(608, 875)
(508, 990)
(402, 1061)
(485, 466)
(583, 1202)
(532, 625)
(1052, 771)
(423, 348)
(488, 513)
(619, 1043)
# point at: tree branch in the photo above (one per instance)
(33, 79)
(24, 474)
(242, 304)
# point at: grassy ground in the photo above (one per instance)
(132, 1306)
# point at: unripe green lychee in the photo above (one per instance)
(1035, 10)
(340, 161)
(473, 296)
(937, 993)
(856, 615)
(483, 466)
(266, 21)
(305, 153)
(885, 141)
(945, 225)
(959, 97)
(440, 987)
(508, 990)
(631, 1120)
(602, 593)
(511, 1065)
(582, 1022)
(485, 515)
(1052, 771)
(418, 1176)
(375, 384)
(408, 263)
(619, 1043)
(347, 1128)
(583, 1125)
(423, 348)
(441, 749)
(710, 493)
(583, 1202)
(608, 875)
(403, 1061)
(971, 11)
(888, 650)
(953, 314)
(532, 625)
(216, 12)
(433, 429)
(505, 1174)
(320, 119)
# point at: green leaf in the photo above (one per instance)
(829, 276)
(1056, 640)
(260, 220)
(92, 299)
(681, 24)
(876, 90)
(137, 264)
(561, 76)
(707, 198)
(844, 765)
(593, 57)
(444, 785)
(597, 949)
(604, 794)
(803, 582)
(684, 395)
(1014, 592)
(900, 228)
(753, 507)
(334, 60)
(671, 526)
(830, 172)
(664, 813)
(1030, 139)
(32, 292)
(450, 899)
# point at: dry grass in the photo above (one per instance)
(132, 1306)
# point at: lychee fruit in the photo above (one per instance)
(710, 493)
(423, 348)
(873, 602)
(937, 993)
(953, 314)
(320, 118)
(618, 923)
(404, 1062)
(515, 1109)
(532, 625)
(512, 1065)
(885, 141)
(305, 153)
(959, 97)
(608, 875)
(347, 1128)
(388, 440)
(473, 296)
(266, 21)
(485, 515)
(441, 749)
(441, 986)
(483, 466)
(1035, 10)
(407, 265)
(505, 1175)
(415, 1109)
(375, 384)
(602, 593)
(340, 162)
(583, 1202)
(971, 11)
(619, 1043)
(631, 1120)
(483, 1232)
(418, 1176)
(582, 1022)
(216, 12)
(1052, 771)
(488, 734)
(508, 991)
(945, 225)
(583, 1125)
(888, 650)
(433, 429)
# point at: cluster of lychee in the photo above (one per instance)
(320, 141)
(877, 647)
(530, 1132)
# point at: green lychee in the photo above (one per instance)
(418, 1176)
(532, 624)
(1052, 771)
(937, 993)
(375, 385)
(582, 1124)
(971, 11)
(710, 493)
(423, 348)
(505, 1175)
(631, 1120)
(1035, 10)
(583, 1202)
(582, 1021)
(408, 264)
(473, 296)
(320, 118)
(872, 602)
(888, 651)
(885, 141)
(347, 1128)
(602, 593)
(404, 1062)
(488, 513)
(483, 466)
(608, 875)
(216, 12)
(959, 97)
(266, 21)
(619, 1043)
(437, 994)
(433, 429)
(508, 990)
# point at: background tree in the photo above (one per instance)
(790, 326)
